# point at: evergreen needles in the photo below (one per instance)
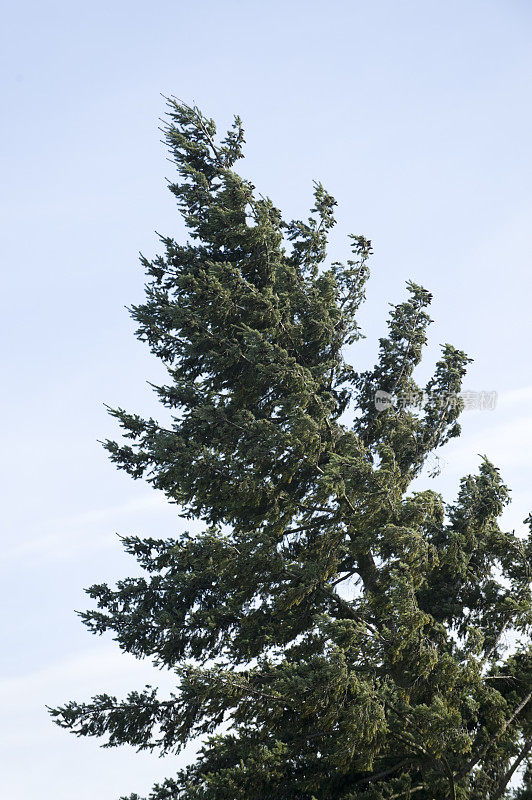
(334, 635)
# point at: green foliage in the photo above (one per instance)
(334, 635)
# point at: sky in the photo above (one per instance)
(416, 116)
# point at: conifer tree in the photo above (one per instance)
(334, 634)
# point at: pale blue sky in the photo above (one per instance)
(416, 115)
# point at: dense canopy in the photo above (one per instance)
(334, 634)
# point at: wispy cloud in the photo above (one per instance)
(72, 536)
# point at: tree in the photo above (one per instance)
(335, 635)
